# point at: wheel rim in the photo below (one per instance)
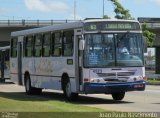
(68, 89)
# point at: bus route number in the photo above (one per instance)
(97, 70)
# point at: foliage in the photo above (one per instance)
(121, 12)
(148, 36)
(153, 82)
(106, 17)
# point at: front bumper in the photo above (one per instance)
(116, 87)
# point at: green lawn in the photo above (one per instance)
(46, 106)
(153, 82)
(20, 102)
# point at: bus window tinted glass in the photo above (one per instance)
(46, 44)
(37, 45)
(28, 46)
(14, 47)
(56, 44)
(68, 43)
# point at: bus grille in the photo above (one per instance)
(116, 77)
(115, 74)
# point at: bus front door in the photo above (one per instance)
(78, 58)
(19, 59)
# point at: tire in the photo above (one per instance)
(68, 93)
(37, 91)
(29, 89)
(118, 96)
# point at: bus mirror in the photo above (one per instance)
(81, 45)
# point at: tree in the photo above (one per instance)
(148, 36)
(121, 12)
(106, 17)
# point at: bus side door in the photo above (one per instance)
(19, 59)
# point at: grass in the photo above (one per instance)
(153, 82)
(20, 102)
(40, 106)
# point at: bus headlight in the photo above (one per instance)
(138, 78)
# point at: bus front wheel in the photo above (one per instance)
(68, 93)
(118, 95)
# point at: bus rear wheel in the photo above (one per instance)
(118, 95)
(29, 89)
(68, 93)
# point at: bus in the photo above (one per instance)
(4, 63)
(80, 58)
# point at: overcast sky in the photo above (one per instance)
(64, 9)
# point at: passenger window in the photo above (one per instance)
(37, 45)
(56, 44)
(68, 43)
(46, 44)
(14, 47)
(28, 46)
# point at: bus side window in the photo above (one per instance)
(46, 44)
(38, 45)
(56, 44)
(28, 46)
(14, 47)
(68, 43)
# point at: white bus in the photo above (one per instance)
(80, 58)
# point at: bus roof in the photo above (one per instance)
(48, 28)
(64, 26)
(109, 20)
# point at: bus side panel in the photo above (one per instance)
(46, 72)
(46, 82)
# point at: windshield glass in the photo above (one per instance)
(113, 50)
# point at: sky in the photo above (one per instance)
(64, 9)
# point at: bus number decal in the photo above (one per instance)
(97, 70)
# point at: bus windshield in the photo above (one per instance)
(113, 50)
